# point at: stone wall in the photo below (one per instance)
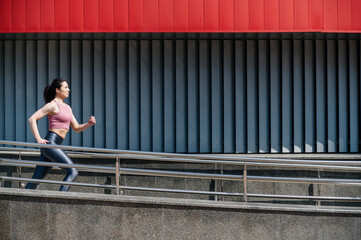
(26, 214)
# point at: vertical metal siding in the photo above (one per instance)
(76, 86)
(240, 96)
(321, 93)
(252, 97)
(332, 96)
(287, 99)
(193, 100)
(276, 96)
(191, 95)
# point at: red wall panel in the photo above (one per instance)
(196, 15)
(136, 15)
(61, 15)
(33, 15)
(226, 15)
(316, 14)
(91, 15)
(121, 15)
(286, 15)
(166, 9)
(211, 14)
(47, 15)
(151, 15)
(6, 13)
(330, 15)
(271, 14)
(241, 11)
(356, 14)
(19, 15)
(256, 15)
(76, 15)
(106, 15)
(300, 14)
(180, 15)
(344, 14)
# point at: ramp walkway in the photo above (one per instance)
(147, 195)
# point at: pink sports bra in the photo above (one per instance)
(62, 119)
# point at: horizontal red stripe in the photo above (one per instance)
(180, 15)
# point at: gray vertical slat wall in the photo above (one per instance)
(209, 95)
(240, 96)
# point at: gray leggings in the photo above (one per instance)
(53, 155)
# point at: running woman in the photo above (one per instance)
(60, 117)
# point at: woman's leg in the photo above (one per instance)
(58, 155)
(40, 172)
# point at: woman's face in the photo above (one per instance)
(64, 90)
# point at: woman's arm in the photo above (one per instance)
(81, 127)
(46, 110)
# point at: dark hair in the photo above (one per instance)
(49, 91)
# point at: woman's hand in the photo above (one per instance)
(42, 141)
(92, 121)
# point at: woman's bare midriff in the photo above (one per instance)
(61, 132)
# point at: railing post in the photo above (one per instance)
(318, 187)
(245, 182)
(117, 176)
(216, 182)
(220, 197)
(18, 171)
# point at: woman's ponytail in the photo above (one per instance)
(50, 90)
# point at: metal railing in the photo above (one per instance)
(246, 162)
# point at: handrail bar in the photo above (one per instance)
(213, 159)
(194, 158)
(234, 160)
(162, 173)
(148, 172)
(57, 182)
(324, 198)
(63, 165)
(112, 169)
(117, 152)
(54, 168)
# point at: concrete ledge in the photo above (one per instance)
(182, 202)
(32, 214)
